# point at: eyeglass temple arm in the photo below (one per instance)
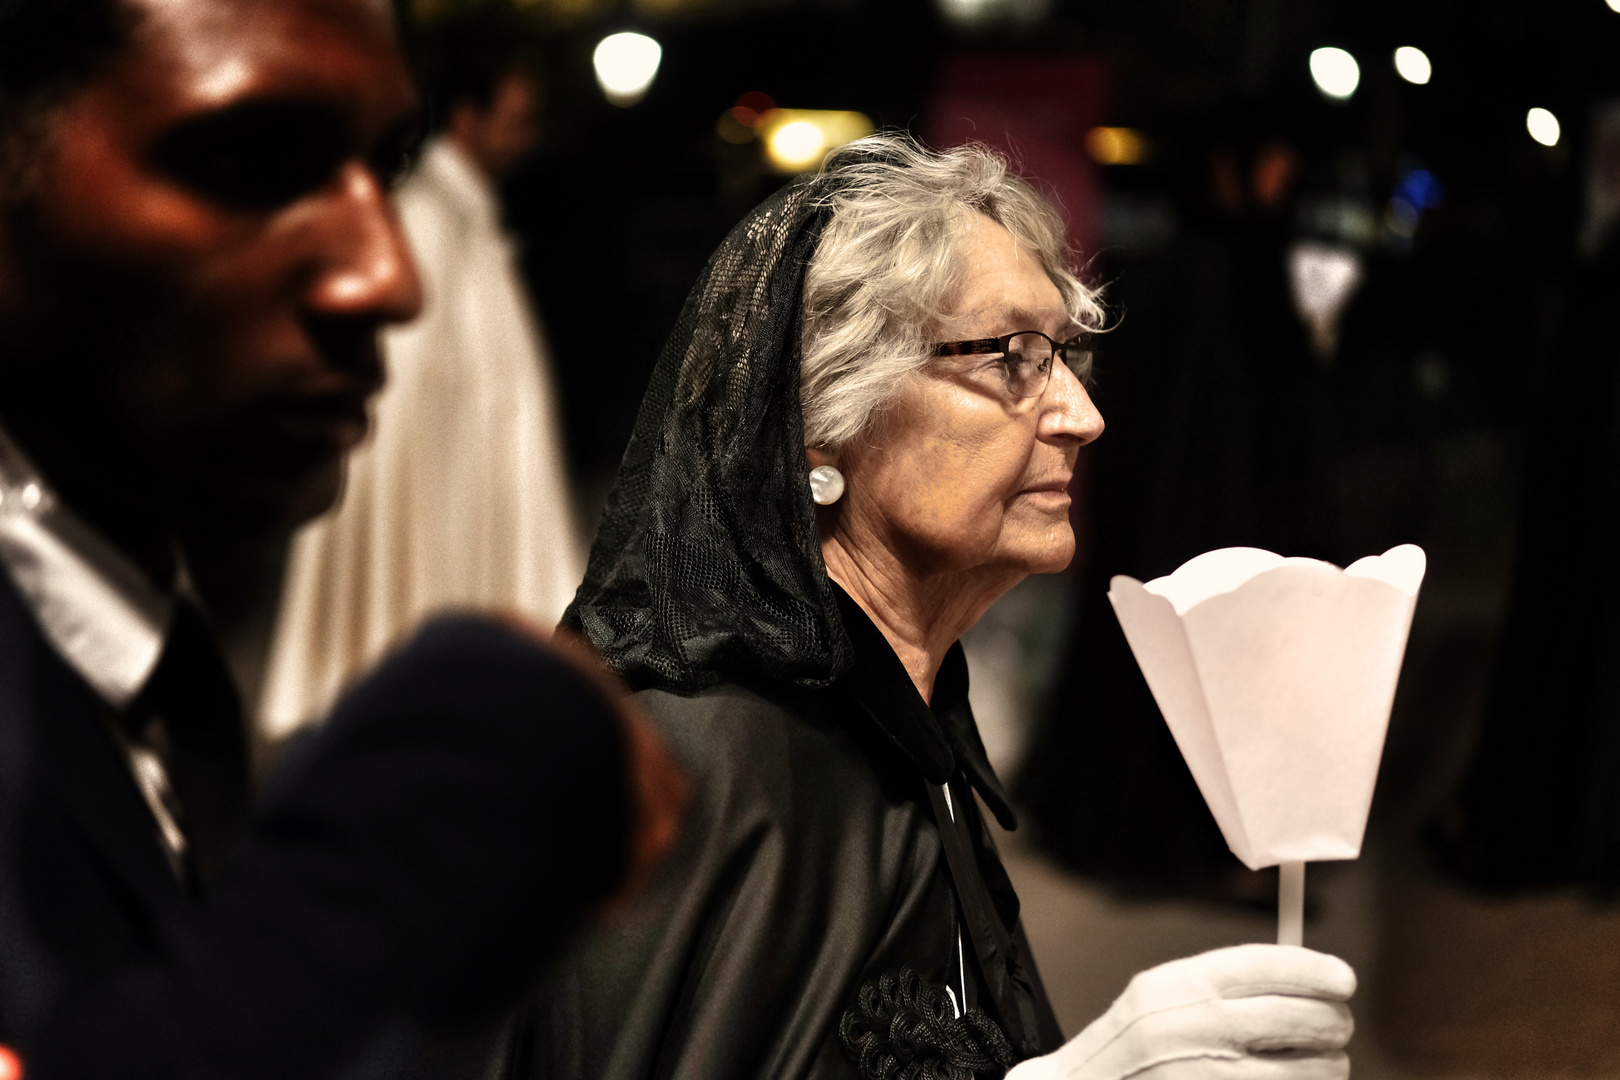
(968, 348)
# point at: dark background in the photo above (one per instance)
(1224, 427)
(623, 205)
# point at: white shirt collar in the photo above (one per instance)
(99, 610)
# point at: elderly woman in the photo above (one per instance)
(860, 434)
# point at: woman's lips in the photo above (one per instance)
(1057, 483)
(1053, 492)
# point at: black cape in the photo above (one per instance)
(812, 862)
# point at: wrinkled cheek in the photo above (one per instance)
(969, 499)
(958, 522)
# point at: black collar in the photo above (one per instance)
(936, 738)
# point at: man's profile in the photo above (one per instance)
(459, 499)
(196, 253)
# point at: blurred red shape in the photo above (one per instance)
(10, 1064)
(752, 107)
(1037, 110)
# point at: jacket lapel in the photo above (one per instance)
(938, 740)
(75, 759)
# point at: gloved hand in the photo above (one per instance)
(1251, 1012)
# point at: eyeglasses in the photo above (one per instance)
(1025, 358)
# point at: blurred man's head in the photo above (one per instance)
(197, 249)
(501, 131)
(485, 80)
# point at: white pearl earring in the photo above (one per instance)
(826, 485)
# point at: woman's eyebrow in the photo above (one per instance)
(1016, 318)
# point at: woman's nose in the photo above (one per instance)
(1067, 411)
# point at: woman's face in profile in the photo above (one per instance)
(960, 474)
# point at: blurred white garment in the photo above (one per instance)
(458, 499)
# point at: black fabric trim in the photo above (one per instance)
(1015, 989)
(880, 684)
(955, 717)
(935, 738)
(903, 1028)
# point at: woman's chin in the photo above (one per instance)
(1056, 564)
(1047, 553)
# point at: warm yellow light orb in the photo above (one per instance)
(798, 144)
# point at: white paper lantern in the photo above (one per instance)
(1276, 677)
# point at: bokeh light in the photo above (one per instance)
(1542, 126)
(797, 139)
(1412, 64)
(626, 64)
(1335, 73)
(797, 145)
(752, 108)
(1116, 146)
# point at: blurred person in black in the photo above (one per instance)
(196, 253)
(1538, 806)
(1216, 407)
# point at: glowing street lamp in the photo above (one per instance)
(797, 145)
(1412, 64)
(1542, 126)
(1335, 72)
(626, 64)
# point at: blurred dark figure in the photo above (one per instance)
(405, 880)
(1540, 805)
(196, 253)
(1217, 404)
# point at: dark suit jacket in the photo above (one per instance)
(84, 885)
(421, 858)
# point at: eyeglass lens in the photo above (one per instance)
(1029, 362)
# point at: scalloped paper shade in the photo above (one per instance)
(1276, 677)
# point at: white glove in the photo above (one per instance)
(1251, 1012)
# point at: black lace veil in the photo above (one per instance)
(708, 565)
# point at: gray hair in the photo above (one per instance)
(878, 288)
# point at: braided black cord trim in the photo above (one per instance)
(903, 1028)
